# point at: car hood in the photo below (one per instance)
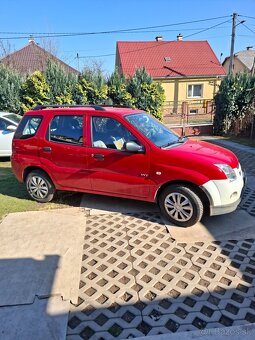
(203, 152)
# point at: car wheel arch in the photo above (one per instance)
(201, 193)
(32, 168)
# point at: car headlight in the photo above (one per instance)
(228, 171)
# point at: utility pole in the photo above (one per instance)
(233, 35)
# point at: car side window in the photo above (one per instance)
(3, 124)
(66, 129)
(28, 127)
(110, 133)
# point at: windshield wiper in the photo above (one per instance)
(178, 141)
(168, 144)
(182, 139)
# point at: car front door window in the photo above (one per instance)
(110, 133)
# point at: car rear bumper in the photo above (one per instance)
(16, 168)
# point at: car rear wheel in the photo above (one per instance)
(39, 186)
(181, 205)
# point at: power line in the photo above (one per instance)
(124, 31)
(247, 27)
(149, 47)
(245, 16)
(71, 34)
(206, 29)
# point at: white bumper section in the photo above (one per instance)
(224, 195)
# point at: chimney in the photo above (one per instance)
(31, 40)
(159, 38)
(179, 37)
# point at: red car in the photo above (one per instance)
(125, 153)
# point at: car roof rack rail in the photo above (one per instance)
(117, 106)
(41, 107)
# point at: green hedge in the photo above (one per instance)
(19, 94)
(234, 100)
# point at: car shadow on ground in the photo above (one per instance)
(9, 186)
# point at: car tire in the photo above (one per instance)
(180, 205)
(39, 186)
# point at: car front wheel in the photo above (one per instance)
(39, 186)
(181, 205)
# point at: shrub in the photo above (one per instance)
(233, 101)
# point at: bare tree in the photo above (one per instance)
(5, 48)
(95, 66)
(50, 45)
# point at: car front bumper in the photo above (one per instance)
(225, 195)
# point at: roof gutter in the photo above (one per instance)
(192, 76)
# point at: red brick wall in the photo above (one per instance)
(194, 130)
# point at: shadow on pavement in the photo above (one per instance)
(27, 310)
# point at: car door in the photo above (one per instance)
(6, 137)
(112, 170)
(64, 154)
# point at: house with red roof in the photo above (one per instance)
(33, 58)
(189, 71)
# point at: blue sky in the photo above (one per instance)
(79, 16)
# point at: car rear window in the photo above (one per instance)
(12, 116)
(28, 127)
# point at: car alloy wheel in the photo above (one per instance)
(181, 205)
(178, 207)
(37, 187)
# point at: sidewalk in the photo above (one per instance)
(40, 260)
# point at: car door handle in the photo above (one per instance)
(47, 149)
(98, 156)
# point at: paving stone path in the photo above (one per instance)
(137, 280)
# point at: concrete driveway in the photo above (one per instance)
(141, 276)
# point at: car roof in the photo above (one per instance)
(2, 114)
(121, 111)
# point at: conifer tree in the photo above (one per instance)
(61, 84)
(117, 90)
(35, 91)
(10, 90)
(147, 94)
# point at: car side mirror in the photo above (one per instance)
(11, 128)
(134, 147)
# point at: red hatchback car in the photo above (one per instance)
(125, 153)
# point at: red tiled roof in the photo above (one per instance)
(168, 58)
(33, 58)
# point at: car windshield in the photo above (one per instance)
(12, 116)
(152, 129)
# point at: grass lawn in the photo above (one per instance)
(14, 198)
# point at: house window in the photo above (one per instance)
(195, 91)
(193, 111)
